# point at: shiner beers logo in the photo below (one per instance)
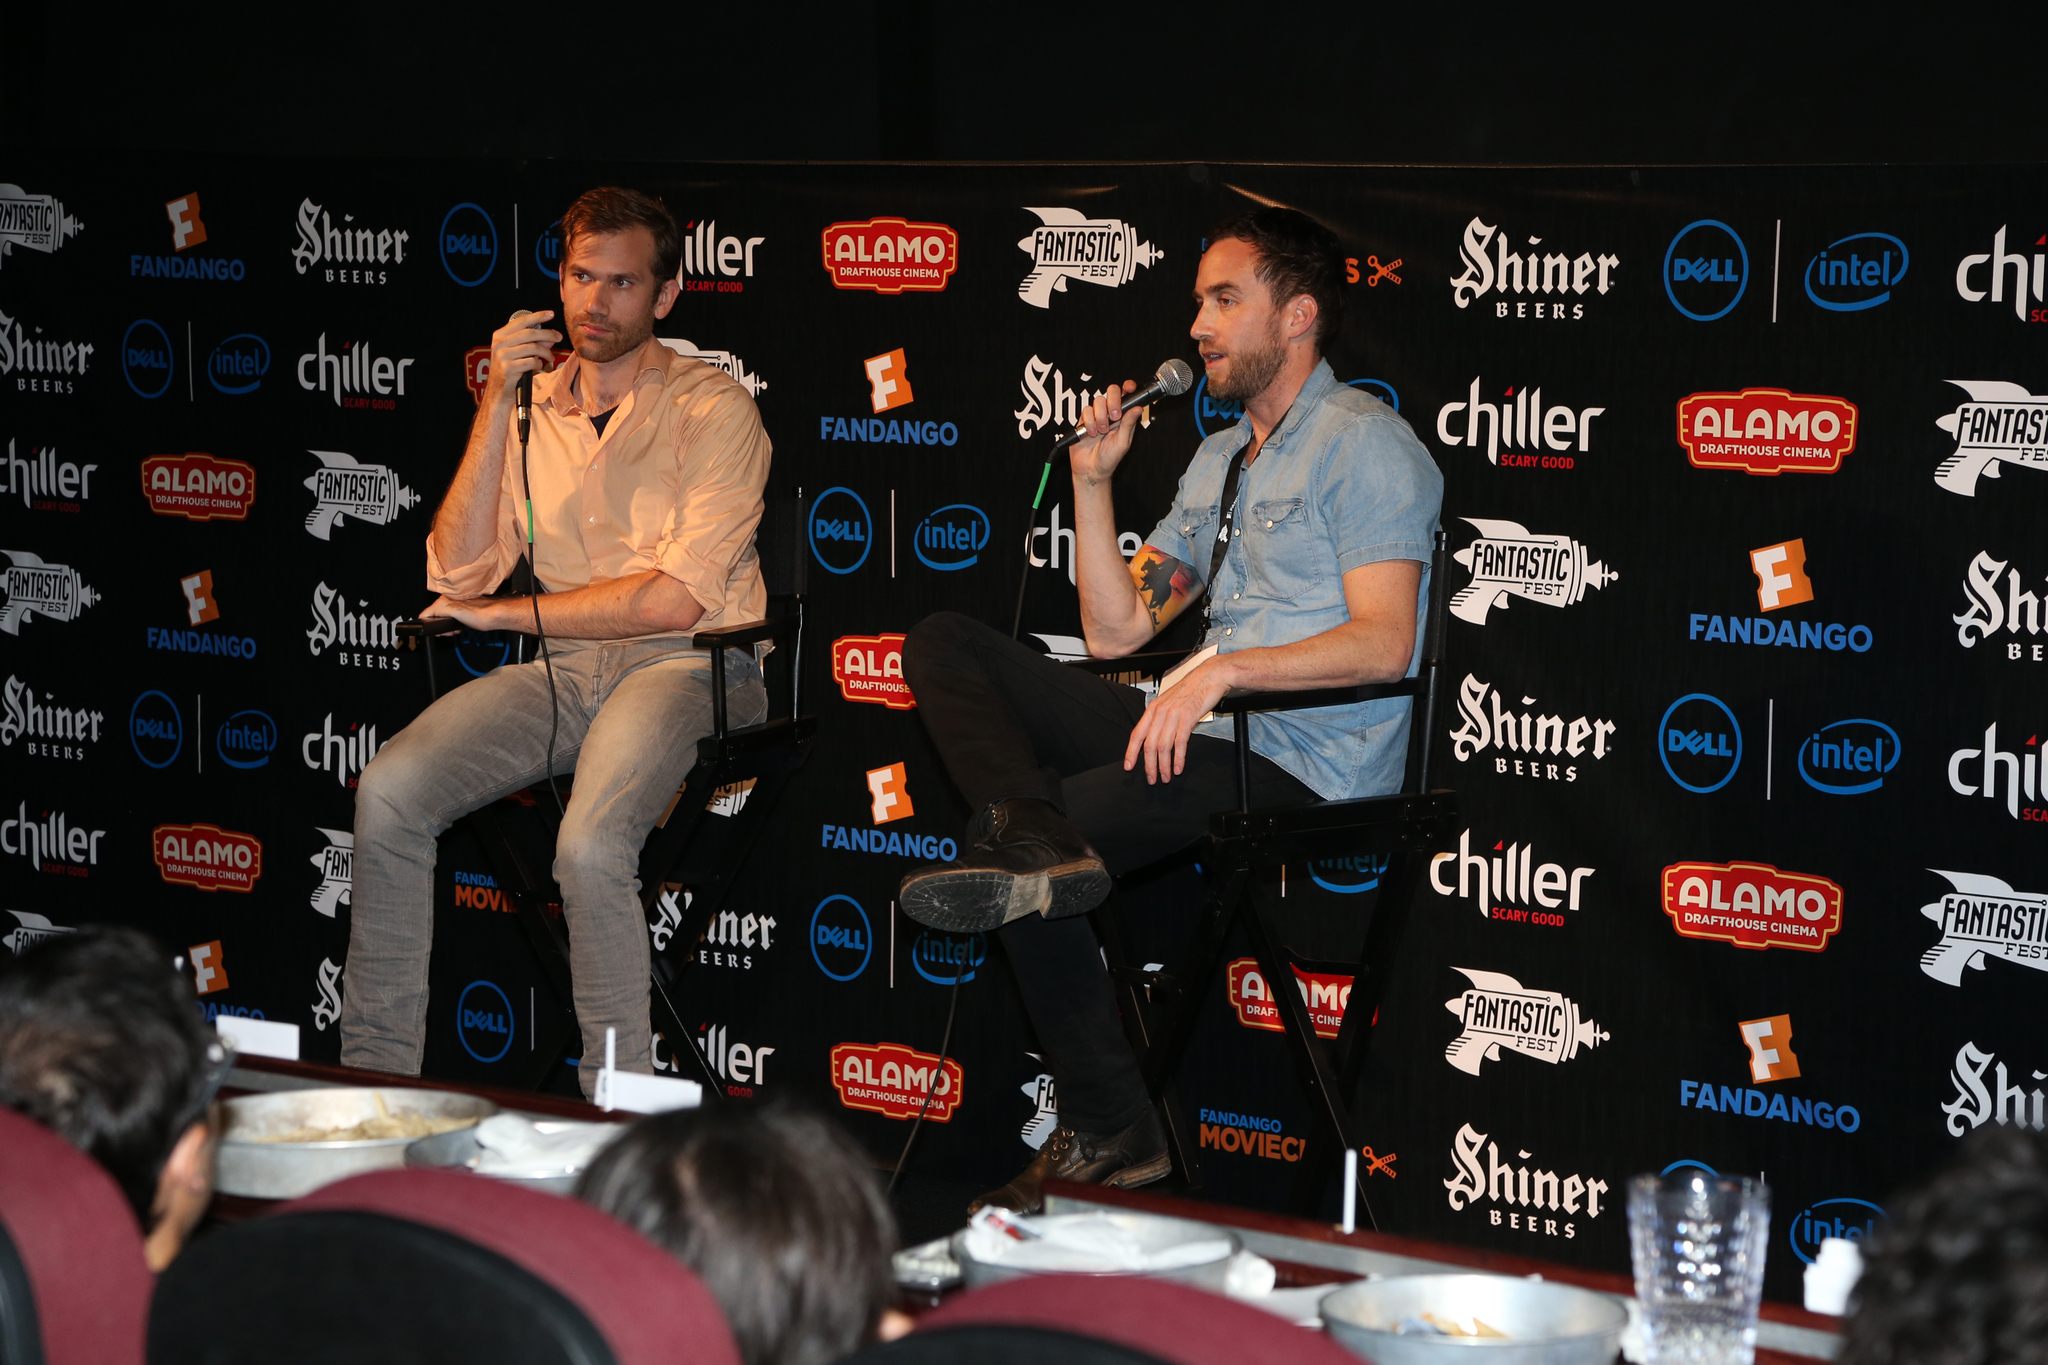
(344, 488)
(890, 255)
(870, 668)
(1767, 431)
(1507, 561)
(894, 1081)
(198, 487)
(1983, 917)
(1752, 905)
(1500, 1012)
(2002, 423)
(1072, 246)
(1325, 993)
(207, 856)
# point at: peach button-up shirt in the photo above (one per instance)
(674, 483)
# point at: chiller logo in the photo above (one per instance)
(1498, 886)
(468, 240)
(1507, 561)
(740, 1064)
(1849, 757)
(31, 929)
(1984, 917)
(207, 857)
(483, 1021)
(1069, 245)
(2022, 774)
(335, 864)
(951, 538)
(344, 488)
(1752, 905)
(52, 591)
(209, 967)
(42, 480)
(346, 252)
(1324, 993)
(1986, 615)
(1977, 1103)
(2001, 424)
(841, 530)
(891, 255)
(1856, 272)
(896, 1082)
(888, 796)
(1706, 270)
(1523, 733)
(1510, 271)
(704, 253)
(2000, 260)
(842, 940)
(52, 842)
(1499, 1012)
(35, 221)
(1700, 743)
(335, 624)
(1849, 1220)
(1059, 406)
(35, 358)
(1769, 1041)
(1523, 425)
(326, 980)
(199, 487)
(353, 370)
(870, 668)
(52, 731)
(146, 357)
(1526, 1193)
(735, 368)
(344, 755)
(1766, 431)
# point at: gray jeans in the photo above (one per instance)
(631, 715)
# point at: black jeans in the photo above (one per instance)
(1009, 722)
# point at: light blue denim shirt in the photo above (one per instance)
(1343, 482)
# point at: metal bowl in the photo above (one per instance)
(286, 1170)
(1545, 1323)
(1153, 1232)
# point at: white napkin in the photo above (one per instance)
(1085, 1243)
(513, 1146)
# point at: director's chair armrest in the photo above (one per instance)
(1239, 702)
(427, 627)
(747, 633)
(1157, 662)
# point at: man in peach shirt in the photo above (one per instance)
(645, 483)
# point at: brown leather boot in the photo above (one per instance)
(1136, 1156)
(1022, 858)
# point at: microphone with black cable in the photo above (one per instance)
(524, 413)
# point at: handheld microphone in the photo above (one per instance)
(1172, 379)
(525, 388)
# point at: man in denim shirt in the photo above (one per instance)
(1314, 572)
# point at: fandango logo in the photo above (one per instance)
(469, 245)
(1848, 1220)
(239, 363)
(1856, 272)
(1754, 1104)
(842, 940)
(246, 739)
(146, 358)
(952, 537)
(840, 530)
(1706, 270)
(1849, 757)
(948, 959)
(483, 1021)
(1700, 743)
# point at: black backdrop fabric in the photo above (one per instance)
(1750, 580)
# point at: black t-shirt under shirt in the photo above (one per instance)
(598, 419)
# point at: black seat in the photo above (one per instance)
(1159, 1008)
(741, 771)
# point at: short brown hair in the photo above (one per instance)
(1297, 255)
(609, 209)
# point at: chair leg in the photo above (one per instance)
(1136, 1012)
(1205, 953)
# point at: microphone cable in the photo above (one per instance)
(533, 587)
(960, 970)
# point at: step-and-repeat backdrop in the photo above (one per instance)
(1745, 474)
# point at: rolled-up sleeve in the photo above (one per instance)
(1380, 493)
(486, 572)
(723, 455)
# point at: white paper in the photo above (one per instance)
(1182, 669)
(641, 1094)
(1084, 1242)
(259, 1037)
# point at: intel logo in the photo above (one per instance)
(840, 530)
(547, 250)
(246, 739)
(238, 364)
(1706, 270)
(952, 537)
(146, 358)
(1852, 1220)
(944, 959)
(483, 1021)
(1849, 757)
(469, 245)
(1699, 742)
(841, 939)
(1856, 272)
(1348, 876)
(156, 729)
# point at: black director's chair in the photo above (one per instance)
(741, 769)
(1159, 1008)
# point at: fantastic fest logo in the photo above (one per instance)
(1500, 1012)
(207, 857)
(870, 668)
(1984, 917)
(896, 1082)
(199, 487)
(1752, 905)
(1325, 993)
(891, 255)
(1767, 431)
(1069, 245)
(2001, 424)
(1507, 561)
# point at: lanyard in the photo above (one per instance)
(1224, 530)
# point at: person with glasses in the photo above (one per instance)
(102, 1042)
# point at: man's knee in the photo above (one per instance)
(941, 635)
(391, 788)
(588, 858)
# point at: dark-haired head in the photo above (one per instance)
(608, 210)
(1296, 256)
(776, 1210)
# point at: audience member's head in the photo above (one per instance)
(1960, 1275)
(101, 1040)
(777, 1211)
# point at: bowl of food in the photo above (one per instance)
(1474, 1320)
(291, 1142)
(991, 1250)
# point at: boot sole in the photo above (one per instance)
(977, 900)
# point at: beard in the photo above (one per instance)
(1253, 369)
(626, 337)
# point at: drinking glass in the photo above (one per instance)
(1698, 1241)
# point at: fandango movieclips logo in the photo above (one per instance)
(246, 739)
(1856, 272)
(841, 531)
(842, 940)
(1706, 270)
(1849, 757)
(947, 959)
(483, 1021)
(952, 537)
(239, 363)
(1850, 1220)
(469, 245)
(1700, 743)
